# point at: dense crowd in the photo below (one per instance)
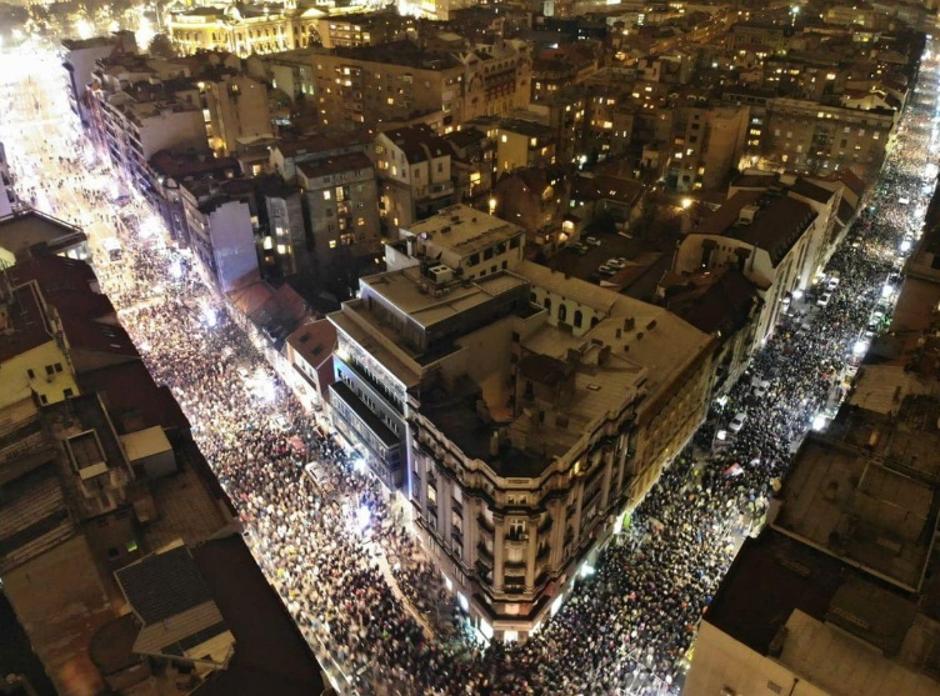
(354, 579)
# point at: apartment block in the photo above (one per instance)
(414, 167)
(810, 137)
(519, 412)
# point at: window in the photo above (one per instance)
(67, 393)
(332, 244)
(50, 369)
(432, 495)
(517, 530)
(43, 399)
(58, 367)
(30, 373)
(327, 195)
(578, 318)
(548, 304)
(562, 312)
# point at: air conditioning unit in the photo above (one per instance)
(441, 273)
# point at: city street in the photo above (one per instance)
(334, 550)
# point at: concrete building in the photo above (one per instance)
(170, 171)
(842, 601)
(361, 29)
(81, 58)
(498, 78)
(222, 234)
(414, 167)
(708, 145)
(133, 122)
(310, 352)
(390, 83)
(518, 411)
(473, 159)
(809, 137)
(771, 239)
(33, 356)
(238, 112)
(340, 202)
(96, 481)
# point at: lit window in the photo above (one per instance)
(504, 138)
(327, 195)
(332, 244)
(282, 249)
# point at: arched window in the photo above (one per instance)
(548, 303)
(578, 318)
(594, 321)
(562, 312)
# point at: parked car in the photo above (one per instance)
(737, 423)
(604, 269)
(833, 281)
(824, 299)
(617, 262)
(593, 241)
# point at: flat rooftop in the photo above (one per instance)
(462, 230)
(811, 612)
(839, 500)
(643, 334)
(20, 231)
(407, 290)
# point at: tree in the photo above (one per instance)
(161, 47)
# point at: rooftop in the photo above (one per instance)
(842, 502)
(271, 656)
(461, 230)
(400, 53)
(778, 221)
(418, 142)
(840, 630)
(354, 161)
(22, 231)
(406, 290)
(163, 584)
(24, 322)
(314, 341)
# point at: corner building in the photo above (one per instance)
(519, 413)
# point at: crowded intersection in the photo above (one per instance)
(356, 583)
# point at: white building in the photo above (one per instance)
(772, 239)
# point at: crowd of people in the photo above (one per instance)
(354, 579)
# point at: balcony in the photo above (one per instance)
(485, 524)
(484, 552)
